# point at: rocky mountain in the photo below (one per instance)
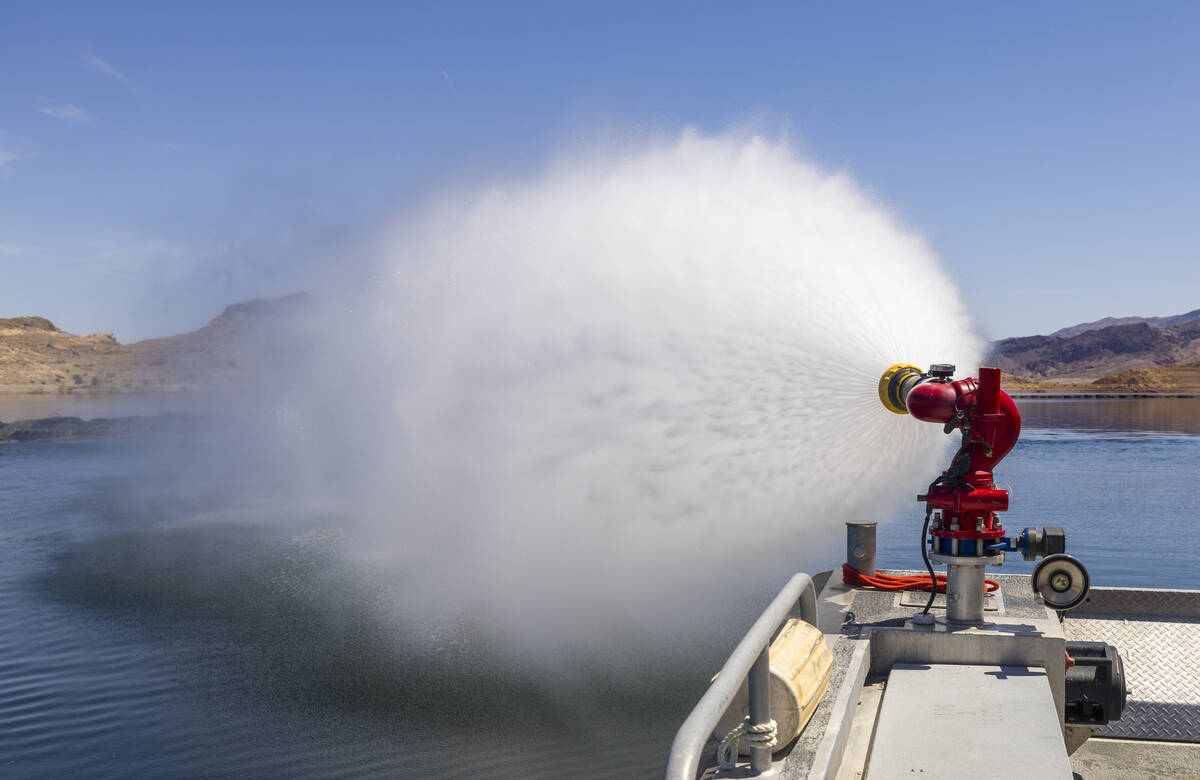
(1093, 350)
(1107, 322)
(37, 357)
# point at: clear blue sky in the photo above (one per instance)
(160, 160)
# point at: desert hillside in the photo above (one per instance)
(37, 357)
(1129, 354)
(1154, 322)
(1163, 379)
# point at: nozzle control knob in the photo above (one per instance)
(942, 370)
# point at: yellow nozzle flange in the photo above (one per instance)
(887, 389)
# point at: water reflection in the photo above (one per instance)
(1165, 415)
(31, 406)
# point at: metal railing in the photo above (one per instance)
(749, 660)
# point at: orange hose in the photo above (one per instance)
(852, 576)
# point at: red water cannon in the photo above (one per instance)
(961, 505)
(965, 493)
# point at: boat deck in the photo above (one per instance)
(1157, 633)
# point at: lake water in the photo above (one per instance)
(134, 645)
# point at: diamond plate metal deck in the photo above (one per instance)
(1162, 661)
(1142, 602)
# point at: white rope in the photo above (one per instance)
(761, 735)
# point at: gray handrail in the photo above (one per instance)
(749, 660)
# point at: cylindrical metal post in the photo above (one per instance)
(965, 591)
(860, 547)
(760, 707)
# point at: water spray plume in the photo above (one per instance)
(606, 396)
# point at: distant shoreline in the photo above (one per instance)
(1069, 396)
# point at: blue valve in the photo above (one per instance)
(1019, 544)
(1033, 544)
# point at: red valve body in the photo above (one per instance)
(992, 423)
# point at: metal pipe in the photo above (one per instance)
(760, 707)
(683, 761)
(860, 547)
(965, 592)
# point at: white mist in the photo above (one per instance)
(603, 405)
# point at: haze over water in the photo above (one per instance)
(591, 389)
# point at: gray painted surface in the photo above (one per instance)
(1003, 642)
(947, 720)
(1125, 759)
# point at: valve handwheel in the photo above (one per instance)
(1061, 581)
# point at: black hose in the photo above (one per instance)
(925, 557)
